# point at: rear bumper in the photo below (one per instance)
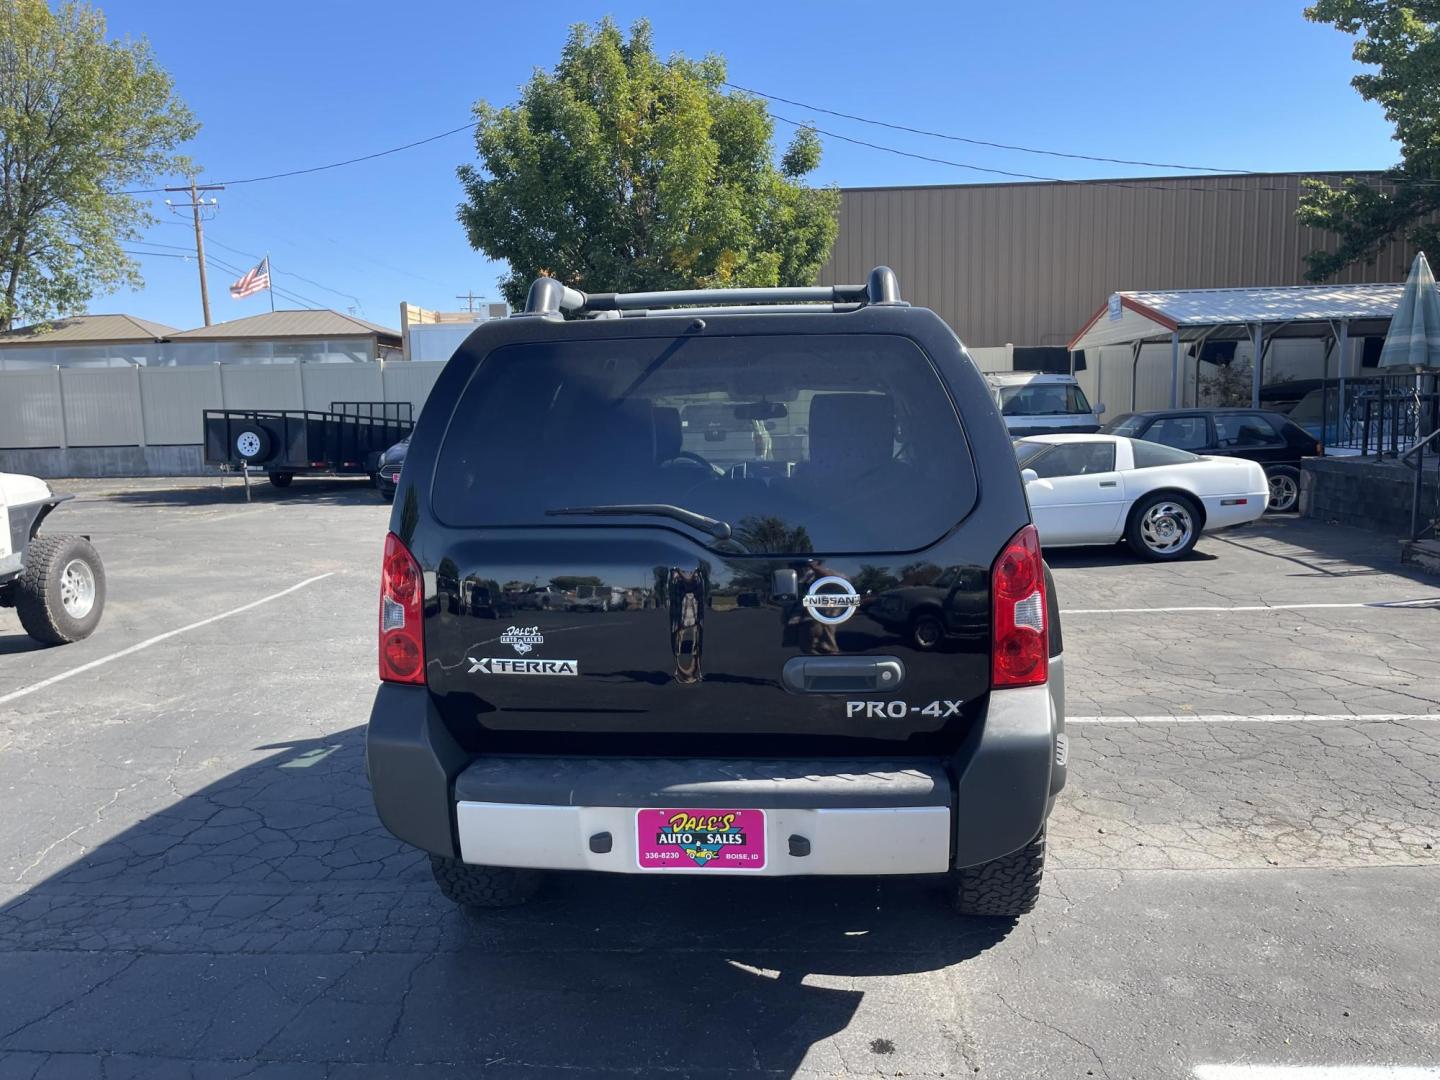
(879, 840)
(855, 817)
(1227, 511)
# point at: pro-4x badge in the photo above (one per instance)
(522, 638)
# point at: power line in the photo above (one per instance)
(285, 293)
(918, 157)
(1135, 184)
(288, 294)
(321, 168)
(157, 254)
(982, 142)
(173, 247)
(288, 273)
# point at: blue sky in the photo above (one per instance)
(1245, 84)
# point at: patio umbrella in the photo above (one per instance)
(1413, 344)
(1414, 338)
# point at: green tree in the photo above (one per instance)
(874, 579)
(81, 118)
(1400, 41)
(621, 171)
(772, 534)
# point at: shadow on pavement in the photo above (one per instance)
(269, 921)
(1114, 555)
(11, 644)
(207, 491)
(1322, 550)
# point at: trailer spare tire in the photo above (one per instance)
(251, 442)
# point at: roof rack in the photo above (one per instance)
(548, 298)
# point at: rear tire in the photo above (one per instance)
(1284, 489)
(61, 593)
(472, 886)
(281, 479)
(1163, 527)
(1006, 887)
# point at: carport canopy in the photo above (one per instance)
(1258, 314)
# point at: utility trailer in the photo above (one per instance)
(347, 439)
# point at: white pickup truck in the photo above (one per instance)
(1036, 404)
(55, 582)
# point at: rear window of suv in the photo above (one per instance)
(824, 443)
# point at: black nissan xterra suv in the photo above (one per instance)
(753, 475)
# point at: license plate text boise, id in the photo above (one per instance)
(679, 839)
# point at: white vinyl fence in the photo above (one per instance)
(162, 406)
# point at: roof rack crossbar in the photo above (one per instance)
(689, 297)
(836, 307)
(548, 297)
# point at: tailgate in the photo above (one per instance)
(684, 645)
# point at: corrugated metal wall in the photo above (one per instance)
(1027, 264)
(162, 406)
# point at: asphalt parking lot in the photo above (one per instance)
(1245, 866)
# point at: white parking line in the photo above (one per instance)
(1264, 718)
(1421, 603)
(53, 679)
(1317, 1072)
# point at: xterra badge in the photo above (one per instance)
(831, 608)
(502, 665)
(522, 638)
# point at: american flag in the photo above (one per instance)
(256, 279)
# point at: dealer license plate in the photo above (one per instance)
(687, 839)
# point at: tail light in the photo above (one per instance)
(402, 641)
(1019, 644)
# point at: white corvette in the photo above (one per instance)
(1097, 489)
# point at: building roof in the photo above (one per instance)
(1129, 317)
(88, 330)
(323, 323)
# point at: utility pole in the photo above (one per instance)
(196, 205)
(469, 299)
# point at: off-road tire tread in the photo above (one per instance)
(1006, 887)
(472, 886)
(42, 554)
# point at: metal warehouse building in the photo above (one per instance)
(1028, 263)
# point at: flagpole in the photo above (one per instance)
(270, 279)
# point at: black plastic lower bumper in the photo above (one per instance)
(999, 785)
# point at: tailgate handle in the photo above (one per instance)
(842, 674)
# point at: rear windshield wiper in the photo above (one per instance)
(714, 526)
